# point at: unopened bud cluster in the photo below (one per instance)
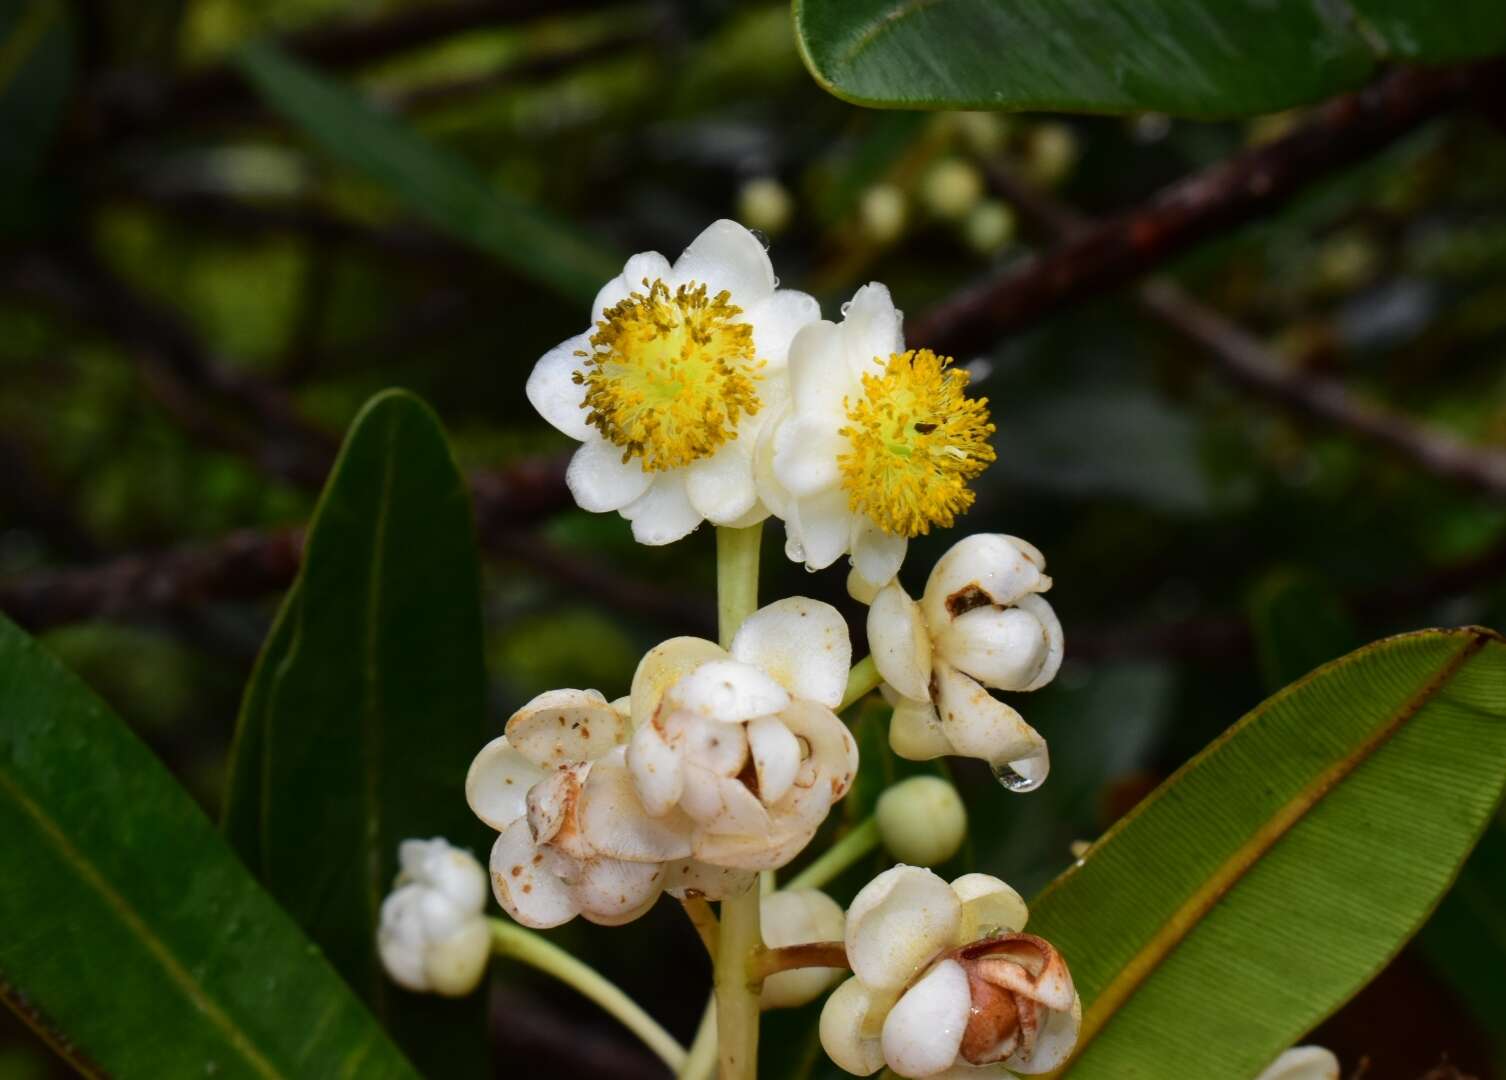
(433, 936)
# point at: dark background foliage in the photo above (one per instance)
(1300, 447)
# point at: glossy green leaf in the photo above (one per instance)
(136, 943)
(36, 68)
(1275, 873)
(1186, 57)
(366, 707)
(428, 179)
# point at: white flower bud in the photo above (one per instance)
(1303, 1063)
(922, 820)
(1051, 151)
(989, 227)
(764, 204)
(433, 936)
(882, 213)
(799, 917)
(951, 188)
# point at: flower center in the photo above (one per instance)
(669, 374)
(915, 440)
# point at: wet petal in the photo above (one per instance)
(663, 514)
(599, 480)
(727, 256)
(776, 320)
(872, 328)
(899, 641)
(802, 644)
(496, 786)
(923, 1031)
(876, 555)
(525, 888)
(819, 378)
(826, 527)
(552, 390)
(898, 923)
(979, 725)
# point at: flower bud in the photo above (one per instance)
(951, 188)
(882, 213)
(1303, 1063)
(989, 227)
(799, 917)
(765, 204)
(922, 820)
(433, 936)
(1050, 154)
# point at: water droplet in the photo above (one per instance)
(761, 237)
(776, 280)
(845, 305)
(1023, 775)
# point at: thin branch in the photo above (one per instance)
(1228, 194)
(816, 954)
(699, 912)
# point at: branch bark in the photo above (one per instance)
(1236, 190)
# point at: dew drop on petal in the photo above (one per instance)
(845, 305)
(1023, 775)
(763, 238)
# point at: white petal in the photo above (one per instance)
(717, 747)
(401, 942)
(876, 555)
(915, 731)
(1052, 628)
(724, 806)
(552, 800)
(496, 786)
(806, 450)
(552, 390)
(775, 322)
(663, 514)
(614, 823)
(560, 726)
(657, 770)
(771, 493)
(721, 486)
(985, 568)
(898, 923)
(819, 376)
(872, 328)
(456, 963)
(988, 905)
(826, 527)
(646, 264)
(776, 757)
(978, 724)
(1303, 1063)
(524, 886)
(833, 761)
(1058, 1036)
(860, 588)
(727, 256)
(612, 892)
(692, 878)
(798, 917)
(728, 691)
(599, 480)
(844, 1018)
(923, 1031)
(662, 667)
(802, 643)
(1000, 647)
(899, 642)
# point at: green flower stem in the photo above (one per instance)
(846, 851)
(511, 940)
(739, 936)
(702, 1060)
(862, 678)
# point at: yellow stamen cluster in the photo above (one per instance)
(669, 374)
(915, 440)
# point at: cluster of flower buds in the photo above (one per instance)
(981, 622)
(433, 936)
(719, 763)
(944, 981)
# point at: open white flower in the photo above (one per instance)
(433, 936)
(877, 444)
(1303, 1063)
(945, 984)
(981, 622)
(799, 917)
(574, 838)
(669, 387)
(744, 742)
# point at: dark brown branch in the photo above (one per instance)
(817, 954)
(1235, 191)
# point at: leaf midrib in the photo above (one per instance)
(1190, 913)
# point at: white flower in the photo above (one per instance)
(877, 444)
(668, 389)
(1303, 1063)
(944, 983)
(574, 838)
(744, 742)
(980, 623)
(433, 936)
(799, 917)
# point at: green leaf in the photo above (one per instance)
(1200, 58)
(136, 943)
(1275, 873)
(36, 69)
(365, 709)
(1299, 622)
(431, 181)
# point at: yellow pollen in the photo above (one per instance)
(670, 374)
(915, 440)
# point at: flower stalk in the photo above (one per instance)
(513, 941)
